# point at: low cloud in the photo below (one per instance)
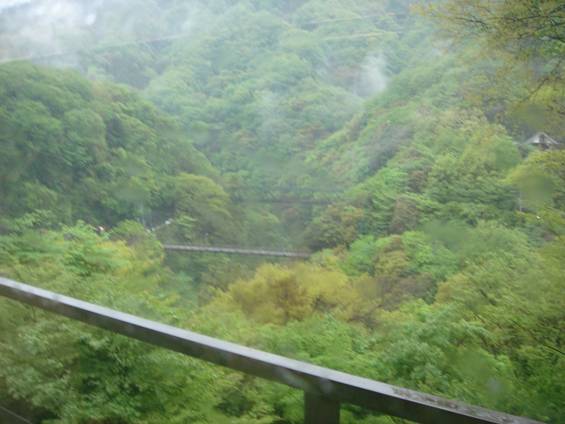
(43, 27)
(372, 79)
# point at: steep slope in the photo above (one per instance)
(73, 149)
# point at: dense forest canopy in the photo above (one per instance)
(387, 138)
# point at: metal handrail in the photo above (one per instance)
(324, 388)
(10, 417)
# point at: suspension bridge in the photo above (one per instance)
(299, 196)
(242, 196)
(235, 251)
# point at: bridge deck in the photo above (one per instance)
(236, 251)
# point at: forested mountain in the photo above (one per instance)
(85, 151)
(389, 138)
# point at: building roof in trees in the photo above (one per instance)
(543, 140)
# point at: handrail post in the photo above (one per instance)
(320, 410)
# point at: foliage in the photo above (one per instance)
(528, 35)
(343, 127)
(84, 150)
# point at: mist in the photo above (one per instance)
(340, 182)
(44, 27)
(373, 79)
(55, 31)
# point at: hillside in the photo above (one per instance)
(387, 138)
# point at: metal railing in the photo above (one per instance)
(10, 417)
(324, 389)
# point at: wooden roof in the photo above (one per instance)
(541, 138)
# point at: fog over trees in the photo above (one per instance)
(389, 139)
